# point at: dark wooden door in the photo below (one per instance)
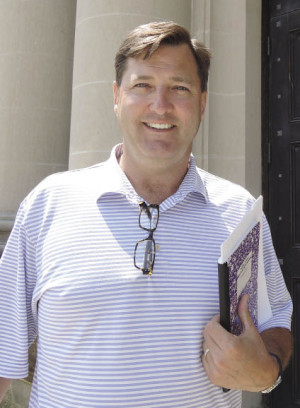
(282, 172)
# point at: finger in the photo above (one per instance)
(206, 358)
(216, 319)
(205, 353)
(215, 335)
(244, 314)
(207, 347)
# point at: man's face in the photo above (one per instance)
(159, 106)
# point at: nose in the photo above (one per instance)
(161, 102)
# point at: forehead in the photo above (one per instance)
(175, 61)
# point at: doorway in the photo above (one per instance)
(281, 163)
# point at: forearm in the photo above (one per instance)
(279, 341)
(4, 385)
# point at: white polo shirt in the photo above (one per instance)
(109, 336)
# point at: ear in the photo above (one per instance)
(116, 93)
(203, 104)
(116, 97)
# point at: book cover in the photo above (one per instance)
(243, 271)
(240, 269)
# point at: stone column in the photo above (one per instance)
(36, 58)
(253, 172)
(227, 90)
(36, 54)
(200, 29)
(231, 134)
(232, 146)
(100, 27)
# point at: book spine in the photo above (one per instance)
(224, 298)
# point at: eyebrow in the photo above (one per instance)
(141, 77)
(183, 79)
(177, 78)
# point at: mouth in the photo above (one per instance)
(159, 126)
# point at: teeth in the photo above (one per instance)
(160, 125)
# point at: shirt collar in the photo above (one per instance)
(117, 181)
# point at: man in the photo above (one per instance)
(114, 267)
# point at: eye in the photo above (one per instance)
(141, 88)
(142, 85)
(181, 88)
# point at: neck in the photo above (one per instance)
(154, 184)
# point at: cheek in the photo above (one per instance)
(125, 111)
(133, 106)
(191, 113)
(129, 119)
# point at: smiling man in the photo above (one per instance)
(159, 104)
(114, 268)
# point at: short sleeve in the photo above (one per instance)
(17, 281)
(279, 297)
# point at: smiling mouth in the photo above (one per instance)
(159, 126)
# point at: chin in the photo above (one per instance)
(165, 159)
(159, 149)
(159, 155)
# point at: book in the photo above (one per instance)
(241, 271)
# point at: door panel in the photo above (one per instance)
(283, 187)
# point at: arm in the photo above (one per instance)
(279, 341)
(4, 385)
(244, 362)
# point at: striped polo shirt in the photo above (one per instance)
(109, 336)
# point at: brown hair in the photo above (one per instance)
(146, 39)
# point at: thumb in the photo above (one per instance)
(243, 312)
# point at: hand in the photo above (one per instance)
(238, 362)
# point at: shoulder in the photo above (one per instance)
(225, 193)
(58, 195)
(60, 189)
(70, 180)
